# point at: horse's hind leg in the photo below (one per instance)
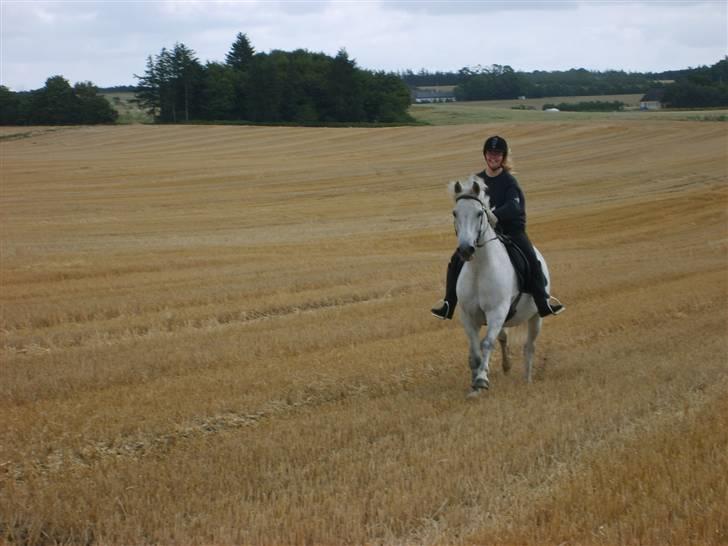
(529, 348)
(503, 340)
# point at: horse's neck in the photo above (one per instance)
(493, 257)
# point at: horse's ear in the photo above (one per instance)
(457, 188)
(476, 188)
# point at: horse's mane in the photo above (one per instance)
(473, 186)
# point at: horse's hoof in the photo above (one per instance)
(474, 393)
(481, 384)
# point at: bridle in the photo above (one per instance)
(481, 231)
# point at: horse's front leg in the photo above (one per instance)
(495, 325)
(472, 330)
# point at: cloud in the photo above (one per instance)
(108, 41)
(440, 7)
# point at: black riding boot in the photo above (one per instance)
(446, 310)
(541, 297)
(538, 289)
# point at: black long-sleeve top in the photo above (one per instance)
(507, 201)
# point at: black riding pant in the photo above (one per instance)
(536, 284)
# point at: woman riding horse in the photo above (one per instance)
(509, 209)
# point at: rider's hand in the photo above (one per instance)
(492, 218)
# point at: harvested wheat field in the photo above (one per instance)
(221, 335)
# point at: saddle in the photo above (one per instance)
(519, 262)
(520, 265)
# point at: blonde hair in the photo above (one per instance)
(507, 164)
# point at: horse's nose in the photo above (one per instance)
(466, 251)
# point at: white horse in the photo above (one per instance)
(487, 287)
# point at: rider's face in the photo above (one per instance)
(494, 160)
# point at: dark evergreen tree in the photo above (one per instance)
(345, 90)
(172, 84)
(266, 88)
(305, 91)
(219, 92)
(187, 74)
(165, 71)
(241, 53)
(149, 92)
(156, 91)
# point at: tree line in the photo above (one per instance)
(693, 87)
(503, 82)
(702, 87)
(295, 87)
(302, 87)
(56, 103)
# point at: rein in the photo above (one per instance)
(481, 233)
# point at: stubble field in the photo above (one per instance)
(217, 335)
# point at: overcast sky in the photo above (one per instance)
(107, 42)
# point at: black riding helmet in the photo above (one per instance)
(496, 144)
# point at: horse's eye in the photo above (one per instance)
(480, 214)
(455, 214)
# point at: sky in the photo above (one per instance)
(107, 42)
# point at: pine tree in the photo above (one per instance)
(165, 71)
(345, 89)
(218, 94)
(148, 93)
(171, 82)
(187, 73)
(240, 54)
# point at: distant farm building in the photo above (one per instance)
(653, 99)
(422, 95)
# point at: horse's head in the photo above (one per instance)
(471, 201)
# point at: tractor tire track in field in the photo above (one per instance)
(168, 325)
(138, 446)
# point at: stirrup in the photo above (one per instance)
(555, 308)
(442, 312)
